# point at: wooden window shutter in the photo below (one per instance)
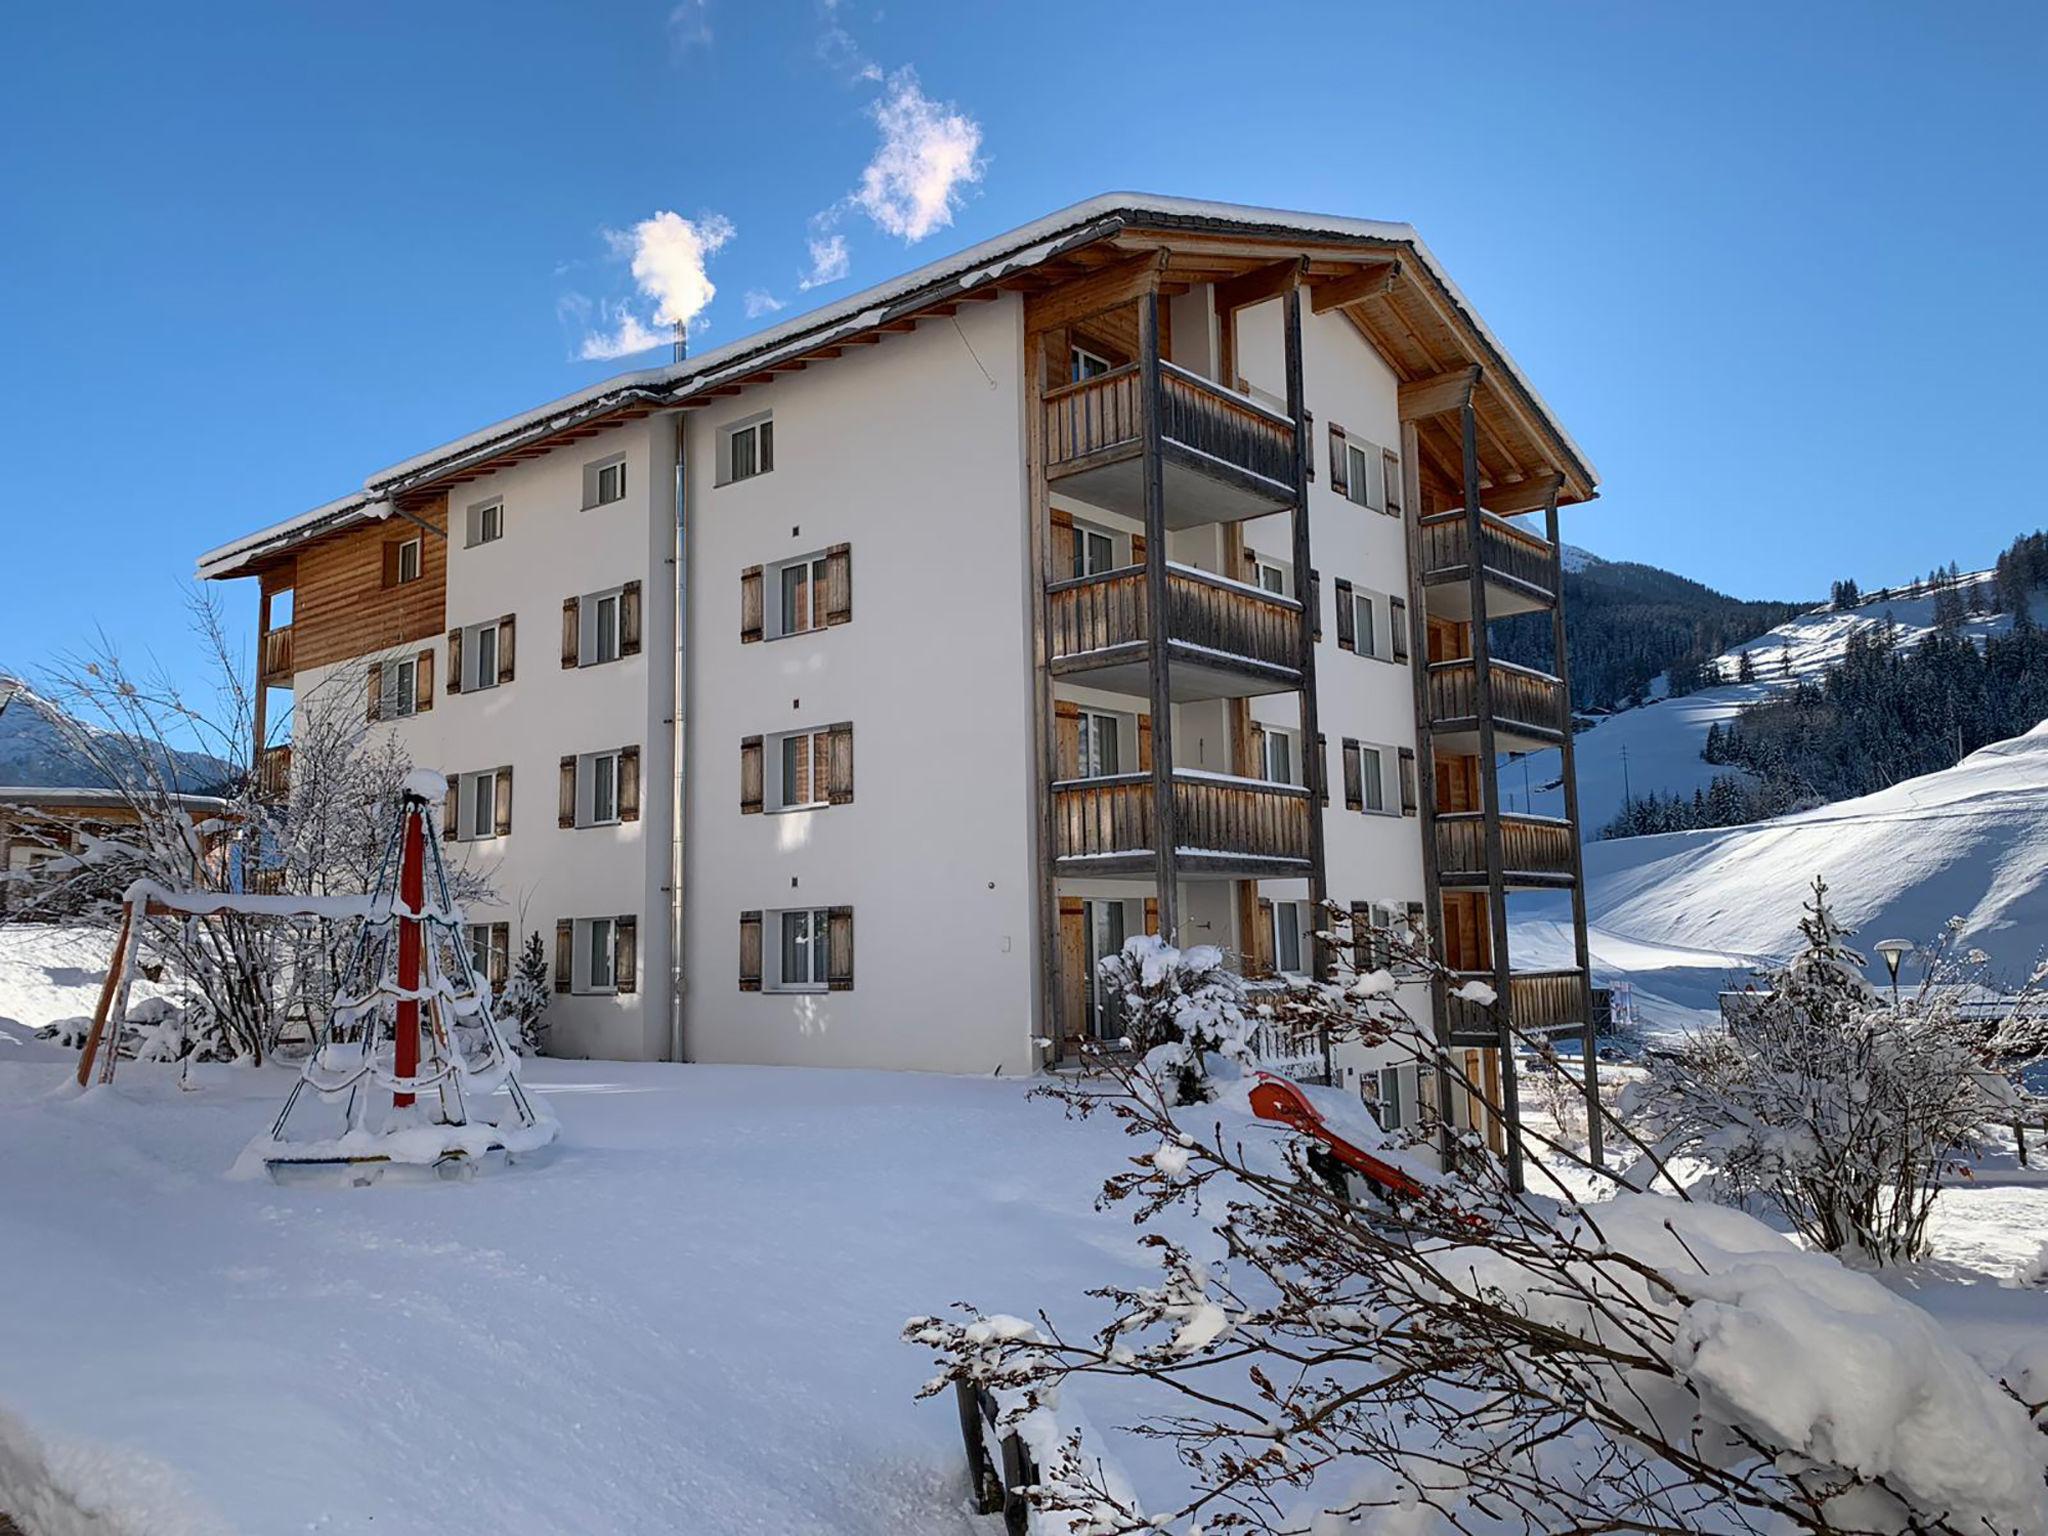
(1144, 743)
(1064, 554)
(1319, 777)
(839, 587)
(625, 954)
(376, 690)
(565, 812)
(1397, 626)
(1308, 422)
(391, 564)
(839, 782)
(839, 949)
(1407, 781)
(752, 798)
(1256, 768)
(1391, 463)
(629, 619)
(503, 809)
(1340, 462)
(750, 604)
(1138, 547)
(629, 783)
(1361, 936)
(1066, 731)
(750, 951)
(1418, 926)
(565, 949)
(505, 642)
(1315, 603)
(423, 682)
(1152, 915)
(455, 661)
(451, 809)
(1347, 618)
(501, 955)
(1354, 777)
(1262, 938)
(1251, 565)
(821, 764)
(572, 631)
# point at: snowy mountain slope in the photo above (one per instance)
(1657, 748)
(1681, 913)
(33, 752)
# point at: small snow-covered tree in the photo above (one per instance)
(1178, 1007)
(526, 999)
(1825, 1102)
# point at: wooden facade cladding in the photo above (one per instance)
(1227, 827)
(342, 607)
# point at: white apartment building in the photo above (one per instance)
(808, 694)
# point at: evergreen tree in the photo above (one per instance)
(1745, 668)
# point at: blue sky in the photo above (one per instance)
(1775, 265)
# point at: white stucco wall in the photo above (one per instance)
(912, 453)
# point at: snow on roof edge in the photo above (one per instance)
(1024, 245)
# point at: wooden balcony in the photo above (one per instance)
(1227, 640)
(1528, 707)
(277, 664)
(1224, 827)
(1517, 563)
(274, 773)
(1535, 851)
(1225, 457)
(1538, 1002)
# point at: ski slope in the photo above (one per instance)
(1657, 748)
(1683, 913)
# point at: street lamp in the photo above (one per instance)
(1894, 950)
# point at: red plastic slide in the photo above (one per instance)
(1275, 1098)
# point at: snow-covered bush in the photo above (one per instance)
(1178, 1007)
(525, 1003)
(1457, 1357)
(1826, 1102)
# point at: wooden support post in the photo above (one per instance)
(1595, 1133)
(1489, 791)
(116, 969)
(1038, 507)
(1165, 835)
(1311, 752)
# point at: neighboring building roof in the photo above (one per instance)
(1018, 249)
(91, 795)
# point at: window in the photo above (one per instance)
(490, 953)
(803, 950)
(1094, 551)
(476, 804)
(1394, 1104)
(402, 562)
(480, 657)
(804, 769)
(596, 950)
(604, 482)
(1100, 739)
(600, 629)
(1107, 924)
(401, 688)
(749, 450)
(1083, 364)
(1365, 623)
(1362, 473)
(1293, 932)
(600, 789)
(1273, 577)
(800, 596)
(1280, 755)
(486, 523)
(1372, 774)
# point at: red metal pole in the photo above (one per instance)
(412, 887)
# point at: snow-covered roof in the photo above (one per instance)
(1016, 250)
(88, 794)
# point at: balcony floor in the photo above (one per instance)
(1516, 880)
(1460, 738)
(1193, 675)
(1449, 596)
(1199, 491)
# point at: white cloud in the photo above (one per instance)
(669, 253)
(929, 150)
(829, 261)
(761, 302)
(689, 25)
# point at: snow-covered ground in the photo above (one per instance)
(1681, 914)
(1657, 748)
(683, 1318)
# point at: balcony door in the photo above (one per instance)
(1106, 928)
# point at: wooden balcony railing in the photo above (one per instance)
(277, 653)
(1213, 815)
(1104, 612)
(1520, 696)
(1505, 549)
(274, 773)
(1536, 1001)
(1095, 417)
(1531, 847)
